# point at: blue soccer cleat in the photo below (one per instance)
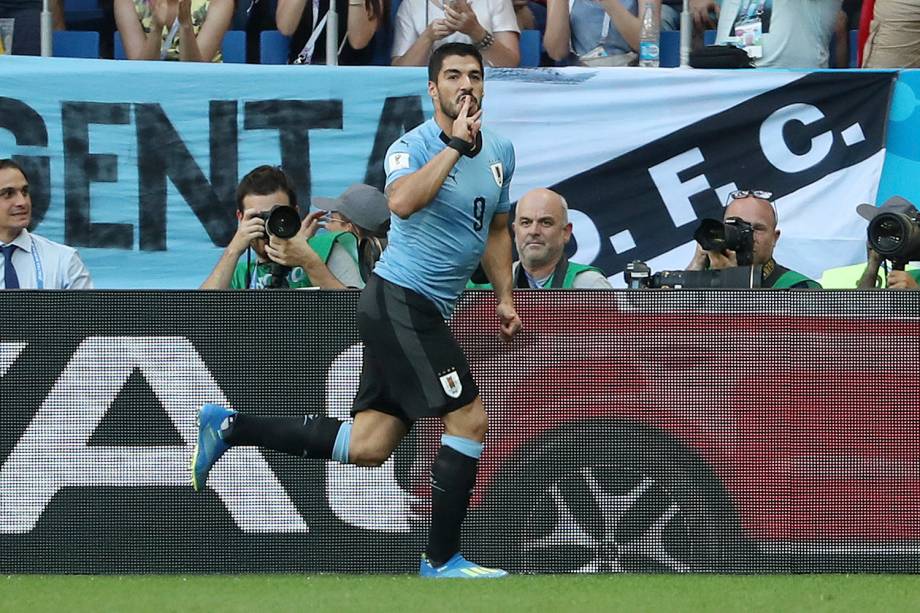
(210, 446)
(458, 567)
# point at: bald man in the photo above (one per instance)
(541, 231)
(756, 208)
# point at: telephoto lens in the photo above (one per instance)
(734, 234)
(895, 236)
(283, 221)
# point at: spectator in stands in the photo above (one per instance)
(27, 25)
(874, 272)
(851, 10)
(31, 261)
(705, 14)
(363, 211)
(526, 11)
(541, 231)
(328, 261)
(187, 30)
(606, 33)
(424, 25)
(894, 35)
(359, 20)
(781, 34)
(756, 208)
(841, 44)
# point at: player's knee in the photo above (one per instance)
(473, 425)
(479, 425)
(370, 456)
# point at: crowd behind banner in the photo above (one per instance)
(784, 33)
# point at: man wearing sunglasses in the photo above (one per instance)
(756, 208)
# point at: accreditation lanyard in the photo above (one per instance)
(39, 271)
(605, 28)
(748, 29)
(254, 274)
(750, 11)
(306, 54)
(168, 41)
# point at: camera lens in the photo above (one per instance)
(711, 235)
(890, 233)
(283, 222)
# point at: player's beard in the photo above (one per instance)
(451, 107)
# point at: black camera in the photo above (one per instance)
(282, 221)
(638, 275)
(896, 237)
(733, 234)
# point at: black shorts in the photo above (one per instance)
(413, 366)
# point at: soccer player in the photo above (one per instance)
(447, 183)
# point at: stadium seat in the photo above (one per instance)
(76, 44)
(709, 37)
(233, 47)
(119, 47)
(852, 51)
(531, 47)
(274, 47)
(669, 49)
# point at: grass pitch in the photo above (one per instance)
(405, 594)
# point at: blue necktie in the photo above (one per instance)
(10, 279)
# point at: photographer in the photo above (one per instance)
(363, 211)
(541, 231)
(303, 260)
(756, 208)
(875, 271)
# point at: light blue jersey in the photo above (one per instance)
(436, 249)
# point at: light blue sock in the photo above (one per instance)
(466, 446)
(342, 441)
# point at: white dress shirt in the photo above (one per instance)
(60, 266)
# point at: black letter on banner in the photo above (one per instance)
(81, 168)
(399, 115)
(294, 119)
(28, 128)
(161, 153)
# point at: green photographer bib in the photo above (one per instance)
(258, 275)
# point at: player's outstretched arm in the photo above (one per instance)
(496, 261)
(415, 191)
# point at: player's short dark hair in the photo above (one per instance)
(8, 163)
(262, 181)
(450, 49)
